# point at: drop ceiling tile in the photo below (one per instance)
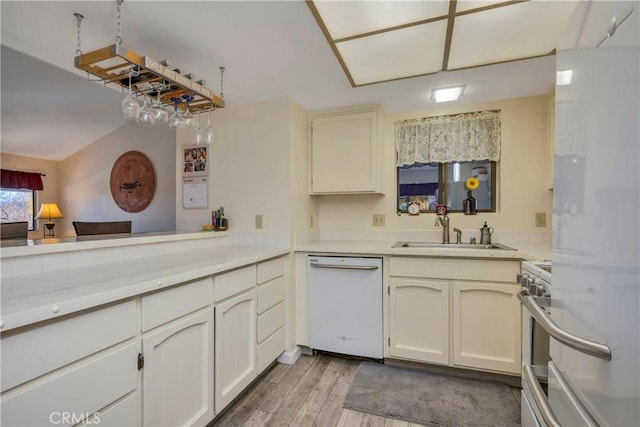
(348, 18)
(402, 53)
(464, 5)
(507, 33)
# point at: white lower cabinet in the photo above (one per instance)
(455, 312)
(486, 330)
(235, 346)
(177, 383)
(73, 395)
(419, 324)
(63, 372)
(148, 360)
(177, 345)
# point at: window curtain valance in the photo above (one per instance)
(23, 180)
(453, 138)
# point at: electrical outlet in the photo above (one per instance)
(541, 219)
(378, 220)
(259, 222)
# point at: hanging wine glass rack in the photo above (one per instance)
(113, 64)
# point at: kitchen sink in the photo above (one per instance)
(427, 245)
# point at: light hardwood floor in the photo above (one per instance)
(309, 393)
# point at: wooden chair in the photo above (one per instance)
(94, 228)
(14, 230)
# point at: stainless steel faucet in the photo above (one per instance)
(458, 235)
(444, 221)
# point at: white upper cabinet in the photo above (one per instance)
(346, 152)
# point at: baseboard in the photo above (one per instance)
(290, 357)
(511, 380)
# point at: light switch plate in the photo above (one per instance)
(378, 220)
(258, 222)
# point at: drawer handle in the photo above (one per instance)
(573, 397)
(583, 345)
(538, 396)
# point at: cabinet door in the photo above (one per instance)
(344, 153)
(178, 372)
(235, 346)
(73, 393)
(419, 325)
(486, 326)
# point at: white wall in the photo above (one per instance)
(83, 180)
(521, 176)
(250, 168)
(49, 182)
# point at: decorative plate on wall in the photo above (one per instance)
(133, 181)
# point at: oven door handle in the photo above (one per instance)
(539, 398)
(583, 345)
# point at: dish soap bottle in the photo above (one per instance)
(470, 205)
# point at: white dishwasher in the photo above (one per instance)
(345, 305)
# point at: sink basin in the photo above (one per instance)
(426, 245)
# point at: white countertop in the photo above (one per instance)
(523, 252)
(32, 298)
(19, 247)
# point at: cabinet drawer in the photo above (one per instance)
(164, 306)
(28, 353)
(270, 349)
(270, 269)
(270, 321)
(80, 391)
(448, 268)
(270, 293)
(123, 413)
(234, 282)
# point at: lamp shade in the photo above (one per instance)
(49, 211)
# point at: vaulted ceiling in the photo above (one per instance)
(320, 56)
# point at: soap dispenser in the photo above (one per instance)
(470, 205)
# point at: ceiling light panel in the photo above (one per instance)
(349, 18)
(508, 33)
(408, 52)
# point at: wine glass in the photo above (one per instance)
(130, 106)
(145, 115)
(158, 112)
(187, 117)
(208, 136)
(175, 119)
(197, 135)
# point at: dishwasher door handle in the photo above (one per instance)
(345, 267)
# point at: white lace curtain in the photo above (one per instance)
(441, 139)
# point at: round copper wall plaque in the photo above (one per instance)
(133, 181)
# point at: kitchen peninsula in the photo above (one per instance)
(124, 312)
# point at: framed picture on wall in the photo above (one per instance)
(195, 160)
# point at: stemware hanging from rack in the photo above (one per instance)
(130, 106)
(208, 135)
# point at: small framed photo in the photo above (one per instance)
(195, 160)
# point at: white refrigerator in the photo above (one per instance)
(596, 217)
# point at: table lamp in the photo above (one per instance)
(49, 211)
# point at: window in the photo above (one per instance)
(436, 155)
(17, 205)
(444, 183)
